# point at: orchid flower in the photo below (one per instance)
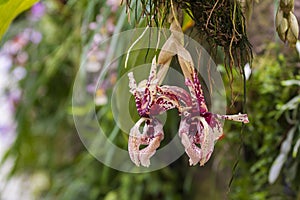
(201, 126)
(197, 126)
(199, 129)
(152, 100)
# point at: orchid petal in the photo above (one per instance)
(132, 83)
(151, 136)
(191, 149)
(208, 143)
(134, 142)
(238, 118)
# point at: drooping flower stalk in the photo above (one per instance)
(199, 129)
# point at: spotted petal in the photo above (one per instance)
(151, 136)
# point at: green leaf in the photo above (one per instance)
(9, 9)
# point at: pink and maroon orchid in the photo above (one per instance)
(199, 129)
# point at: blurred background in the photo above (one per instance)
(42, 156)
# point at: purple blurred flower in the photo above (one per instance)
(22, 57)
(93, 26)
(97, 38)
(35, 37)
(114, 4)
(12, 47)
(91, 88)
(7, 123)
(110, 26)
(37, 11)
(5, 62)
(19, 73)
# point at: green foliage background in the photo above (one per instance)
(48, 144)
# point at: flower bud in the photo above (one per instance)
(283, 27)
(293, 31)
